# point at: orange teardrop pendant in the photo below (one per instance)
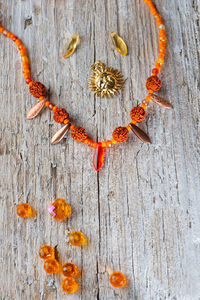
(99, 155)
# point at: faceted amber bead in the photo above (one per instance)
(76, 238)
(60, 209)
(117, 279)
(69, 285)
(51, 266)
(70, 269)
(46, 252)
(24, 210)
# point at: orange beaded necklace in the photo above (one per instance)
(120, 134)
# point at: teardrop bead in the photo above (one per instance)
(36, 109)
(71, 45)
(119, 43)
(140, 133)
(59, 135)
(99, 156)
(160, 101)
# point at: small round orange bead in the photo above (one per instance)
(55, 108)
(66, 121)
(69, 285)
(77, 238)
(117, 279)
(51, 266)
(46, 252)
(24, 210)
(70, 269)
(47, 103)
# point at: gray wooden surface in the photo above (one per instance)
(141, 213)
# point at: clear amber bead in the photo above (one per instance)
(77, 238)
(69, 285)
(60, 209)
(117, 279)
(46, 252)
(24, 210)
(70, 269)
(51, 266)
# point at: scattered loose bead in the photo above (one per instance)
(137, 114)
(69, 285)
(77, 238)
(70, 269)
(117, 279)
(51, 266)
(46, 252)
(24, 210)
(120, 134)
(60, 209)
(153, 83)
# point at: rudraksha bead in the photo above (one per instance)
(120, 134)
(37, 89)
(153, 83)
(138, 114)
(60, 115)
(79, 134)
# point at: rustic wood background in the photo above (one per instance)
(141, 213)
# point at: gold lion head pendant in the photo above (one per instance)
(105, 81)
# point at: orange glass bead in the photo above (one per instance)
(113, 141)
(117, 279)
(66, 121)
(103, 144)
(70, 269)
(69, 285)
(25, 59)
(60, 209)
(77, 238)
(51, 266)
(24, 210)
(46, 252)
(55, 108)
(47, 103)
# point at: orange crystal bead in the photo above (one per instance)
(24, 210)
(60, 209)
(77, 238)
(117, 279)
(46, 252)
(70, 269)
(51, 266)
(69, 285)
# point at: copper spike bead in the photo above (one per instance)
(140, 133)
(35, 110)
(160, 101)
(99, 156)
(59, 135)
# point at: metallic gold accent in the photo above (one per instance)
(59, 135)
(35, 110)
(71, 45)
(119, 43)
(105, 81)
(160, 101)
(140, 133)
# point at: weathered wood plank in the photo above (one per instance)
(141, 213)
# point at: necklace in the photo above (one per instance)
(120, 134)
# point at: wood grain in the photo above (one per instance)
(141, 213)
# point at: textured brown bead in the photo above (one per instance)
(153, 83)
(137, 114)
(79, 134)
(120, 134)
(60, 115)
(37, 89)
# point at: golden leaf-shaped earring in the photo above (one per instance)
(71, 45)
(119, 43)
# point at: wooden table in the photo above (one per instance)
(141, 212)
